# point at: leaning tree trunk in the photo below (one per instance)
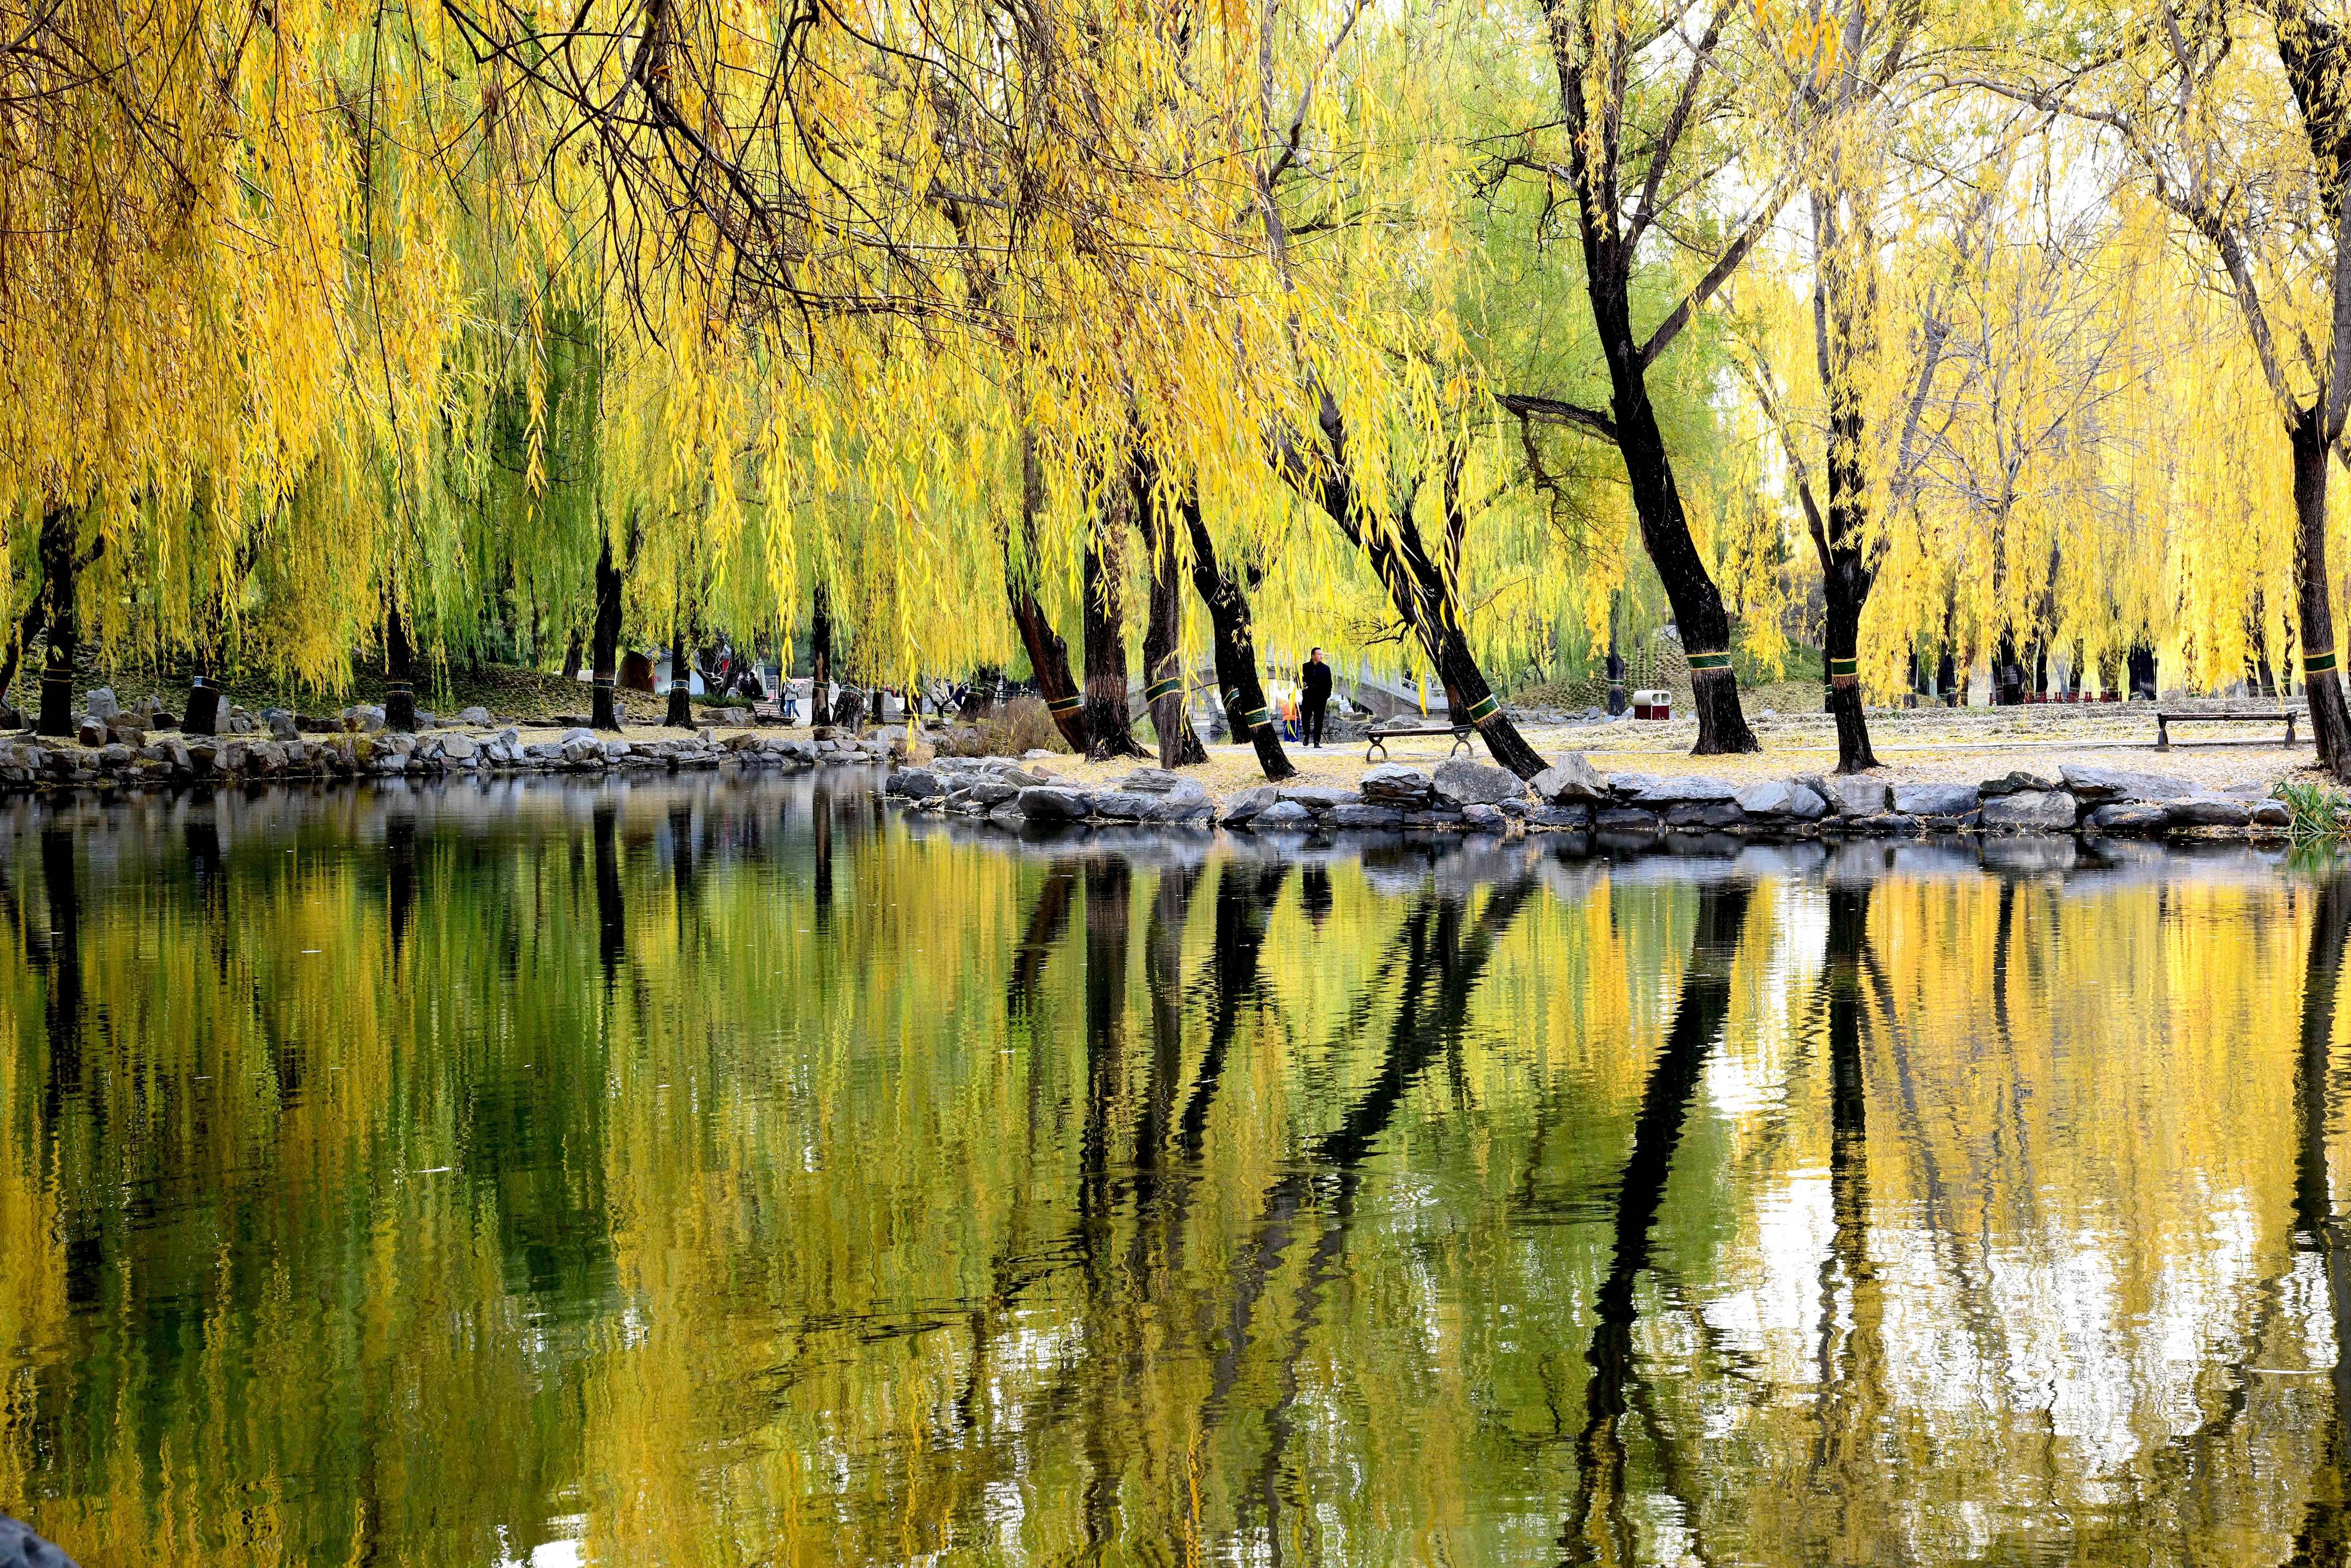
(2330, 720)
(1664, 533)
(1236, 648)
(604, 649)
(681, 682)
(399, 682)
(28, 628)
(1110, 733)
(1162, 653)
(56, 546)
(573, 652)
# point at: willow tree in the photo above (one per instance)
(2237, 120)
(1644, 141)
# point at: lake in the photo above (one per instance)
(729, 1171)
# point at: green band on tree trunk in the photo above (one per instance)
(2318, 664)
(1064, 705)
(1257, 718)
(1845, 666)
(1709, 662)
(1484, 708)
(603, 683)
(1157, 689)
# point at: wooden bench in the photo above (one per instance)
(2165, 717)
(1378, 737)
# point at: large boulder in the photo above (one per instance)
(2092, 786)
(1852, 794)
(1484, 819)
(1317, 798)
(1365, 815)
(1050, 803)
(1245, 806)
(1461, 782)
(1394, 784)
(1682, 788)
(1935, 799)
(101, 704)
(2209, 812)
(1150, 782)
(281, 723)
(914, 784)
(1126, 805)
(1282, 814)
(1570, 779)
(2129, 817)
(1788, 799)
(2031, 811)
(474, 715)
(20, 1548)
(1703, 814)
(457, 747)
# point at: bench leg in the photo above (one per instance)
(2289, 729)
(1379, 748)
(1460, 745)
(2162, 735)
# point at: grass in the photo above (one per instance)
(2315, 810)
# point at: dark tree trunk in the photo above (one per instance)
(202, 715)
(57, 547)
(1845, 579)
(2330, 720)
(1162, 653)
(573, 652)
(1705, 625)
(681, 679)
(1049, 656)
(28, 628)
(1109, 731)
(1236, 648)
(605, 647)
(399, 673)
(820, 659)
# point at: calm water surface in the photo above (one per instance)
(732, 1173)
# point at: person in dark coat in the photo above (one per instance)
(1314, 694)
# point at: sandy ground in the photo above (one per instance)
(1939, 745)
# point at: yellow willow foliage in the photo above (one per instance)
(174, 183)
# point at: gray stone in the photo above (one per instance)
(1037, 754)
(1179, 808)
(2129, 817)
(1787, 799)
(1396, 783)
(1049, 803)
(1366, 816)
(477, 716)
(2018, 781)
(989, 792)
(1627, 819)
(1686, 788)
(1007, 815)
(281, 723)
(569, 736)
(1462, 782)
(92, 731)
(1245, 806)
(914, 784)
(1630, 786)
(1703, 814)
(101, 703)
(1560, 817)
(616, 749)
(1127, 805)
(1317, 798)
(458, 748)
(1853, 794)
(1150, 781)
(1282, 814)
(581, 751)
(1935, 799)
(2209, 812)
(2271, 814)
(1570, 779)
(2097, 784)
(2030, 811)
(1483, 818)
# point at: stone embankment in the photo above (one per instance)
(1463, 795)
(118, 750)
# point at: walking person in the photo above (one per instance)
(1316, 680)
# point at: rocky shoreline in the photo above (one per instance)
(274, 747)
(1462, 795)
